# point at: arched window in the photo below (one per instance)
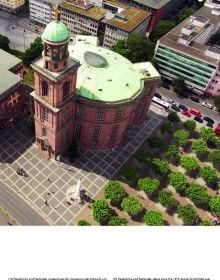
(45, 88)
(66, 89)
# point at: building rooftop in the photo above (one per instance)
(196, 47)
(128, 19)
(8, 61)
(154, 4)
(93, 12)
(105, 76)
(8, 81)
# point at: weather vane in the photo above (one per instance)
(57, 13)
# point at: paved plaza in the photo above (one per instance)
(45, 187)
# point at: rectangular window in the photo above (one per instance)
(80, 112)
(100, 116)
(78, 131)
(45, 114)
(118, 115)
(95, 135)
(114, 133)
(44, 131)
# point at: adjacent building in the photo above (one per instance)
(87, 93)
(187, 51)
(12, 6)
(11, 88)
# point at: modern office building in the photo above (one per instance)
(41, 11)
(11, 88)
(12, 6)
(87, 93)
(109, 20)
(187, 51)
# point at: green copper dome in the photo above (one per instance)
(56, 32)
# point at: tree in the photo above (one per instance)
(173, 117)
(190, 125)
(178, 84)
(198, 194)
(33, 52)
(173, 152)
(214, 157)
(115, 192)
(178, 181)
(153, 218)
(101, 211)
(188, 214)
(132, 206)
(149, 186)
(155, 142)
(83, 223)
(167, 200)
(217, 102)
(161, 167)
(161, 28)
(209, 174)
(181, 136)
(129, 173)
(185, 14)
(199, 146)
(189, 163)
(144, 157)
(117, 221)
(205, 223)
(214, 204)
(207, 134)
(4, 43)
(167, 128)
(136, 48)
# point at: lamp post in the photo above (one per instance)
(24, 38)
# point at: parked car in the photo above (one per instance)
(198, 119)
(158, 95)
(184, 108)
(209, 120)
(195, 99)
(185, 113)
(195, 112)
(207, 105)
(184, 94)
(209, 124)
(175, 107)
(170, 101)
(217, 130)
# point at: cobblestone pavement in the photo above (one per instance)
(48, 197)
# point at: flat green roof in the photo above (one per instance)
(7, 60)
(114, 81)
(8, 80)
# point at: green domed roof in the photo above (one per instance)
(56, 32)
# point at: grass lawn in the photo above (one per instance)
(29, 76)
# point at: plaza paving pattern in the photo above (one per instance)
(48, 197)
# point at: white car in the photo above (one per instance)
(207, 105)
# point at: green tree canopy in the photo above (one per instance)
(137, 48)
(205, 223)
(161, 28)
(161, 167)
(115, 192)
(167, 128)
(83, 223)
(149, 186)
(144, 157)
(132, 206)
(167, 199)
(198, 194)
(33, 52)
(207, 134)
(101, 211)
(215, 205)
(155, 142)
(190, 125)
(153, 218)
(199, 146)
(214, 157)
(185, 14)
(173, 117)
(189, 163)
(209, 174)
(181, 136)
(4, 43)
(188, 214)
(178, 84)
(173, 152)
(178, 181)
(129, 173)
(117, 221)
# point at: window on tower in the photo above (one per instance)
(45, 114)
(45, 88)
(66, 89)
(95, 135)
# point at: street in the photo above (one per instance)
(15, 29)
(189, 103)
